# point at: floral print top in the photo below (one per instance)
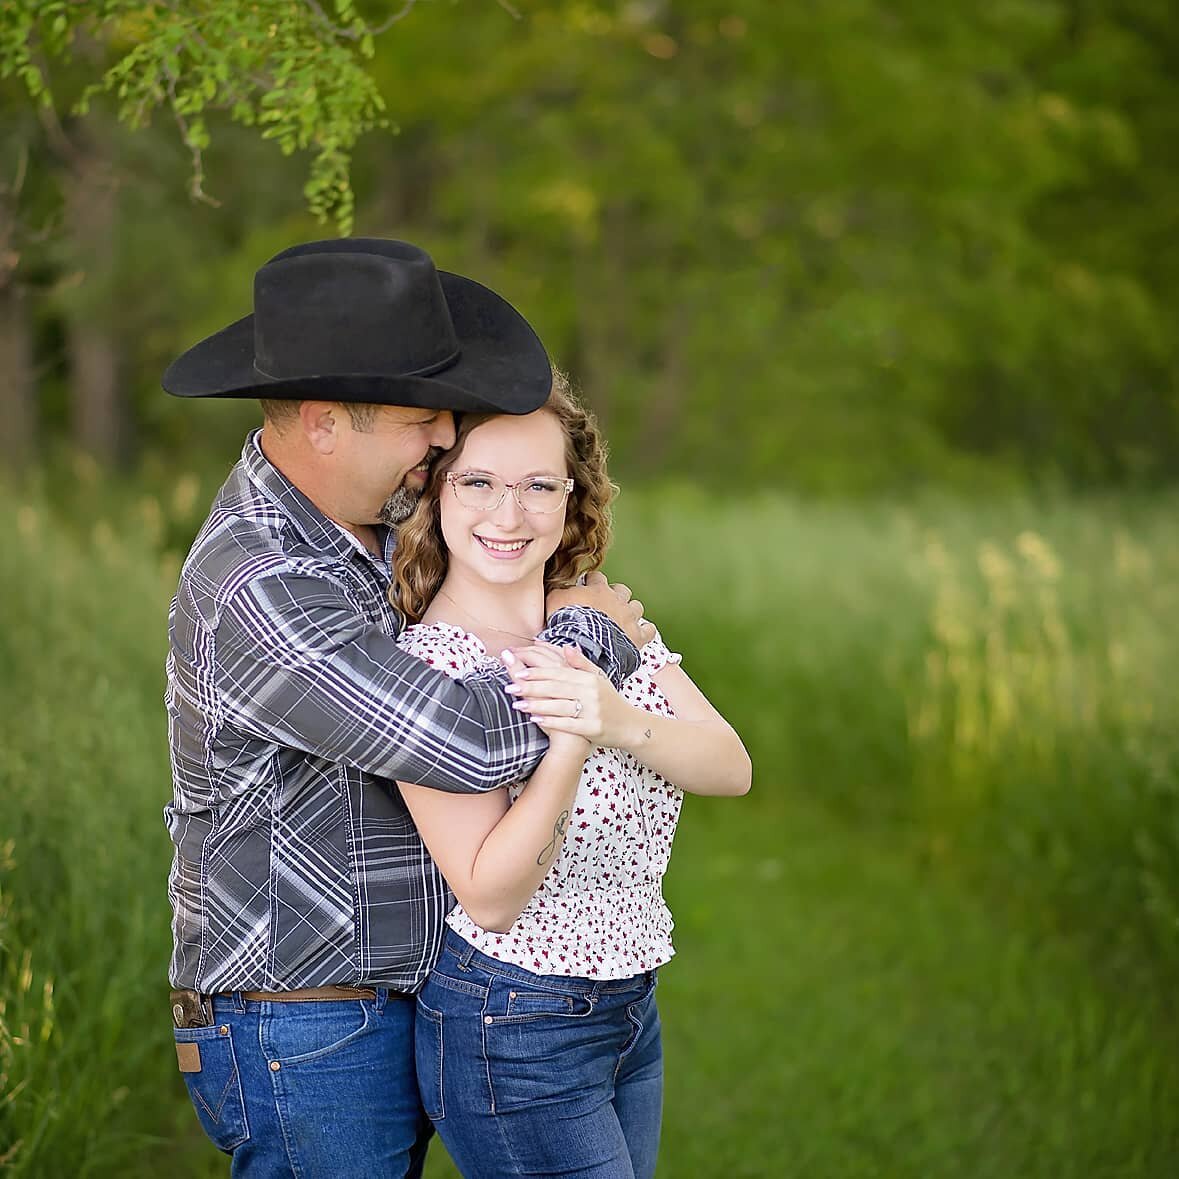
(600, 912)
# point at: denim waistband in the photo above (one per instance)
(467, 956)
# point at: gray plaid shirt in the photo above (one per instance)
(291, 711)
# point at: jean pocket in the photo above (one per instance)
(299, 1033)
(428, 1058)
(518, 1003)
(216, 1090)
(543, 1046)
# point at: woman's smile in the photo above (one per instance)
(503, 550)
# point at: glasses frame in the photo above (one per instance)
(514, 488)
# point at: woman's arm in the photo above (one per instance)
(697, 749)
(493, 855)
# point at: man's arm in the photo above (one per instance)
(600, 638)
(298, 666)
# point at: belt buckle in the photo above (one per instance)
(191, 1009)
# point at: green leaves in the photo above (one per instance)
(285, 66)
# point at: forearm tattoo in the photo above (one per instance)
(550, 847)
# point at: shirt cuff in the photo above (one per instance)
(601, 640)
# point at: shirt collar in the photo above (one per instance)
(324, 535)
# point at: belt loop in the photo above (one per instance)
(239, 1004)
(382, 998)
(465, 957)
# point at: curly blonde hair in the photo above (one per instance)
(420, 560)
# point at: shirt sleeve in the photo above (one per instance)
(601, 640)
(298, 665)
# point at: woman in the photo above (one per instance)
(538, 1043)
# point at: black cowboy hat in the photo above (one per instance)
(368, 319)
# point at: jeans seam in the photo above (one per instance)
(483, 1017)
(637, 1034)
(435, 1018)
(278, 1096)
(284, 1118)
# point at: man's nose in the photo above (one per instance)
(443, 435)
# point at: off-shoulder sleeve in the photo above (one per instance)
(455, 652)
(656, 655)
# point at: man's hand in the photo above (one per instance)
(614, 601)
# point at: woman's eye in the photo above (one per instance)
(476, 481)
(542, 485)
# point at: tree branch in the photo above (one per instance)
(368, 30)
(196, 186)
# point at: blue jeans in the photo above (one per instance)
(528, 1074)
(310, 1090)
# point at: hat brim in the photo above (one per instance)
(502, 366)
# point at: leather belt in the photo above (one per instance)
(307, 995)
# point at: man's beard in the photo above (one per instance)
(399, 506)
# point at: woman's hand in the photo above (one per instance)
(572, 697)
(542, 655)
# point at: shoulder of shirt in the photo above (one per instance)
(244, 540)
(447, 647)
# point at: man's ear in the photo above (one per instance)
(321, 425)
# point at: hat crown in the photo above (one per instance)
(370, 320)
(351, 305)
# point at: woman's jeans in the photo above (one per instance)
(310, 1090)
(528, 1074)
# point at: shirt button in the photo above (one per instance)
(275, 1066)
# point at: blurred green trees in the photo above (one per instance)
(839, 247)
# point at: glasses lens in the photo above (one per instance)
(542, 495)
(480, 492)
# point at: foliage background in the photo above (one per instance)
(845, 247)
(877, 302)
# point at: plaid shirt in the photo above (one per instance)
(291, 712)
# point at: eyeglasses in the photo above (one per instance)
(484, 493)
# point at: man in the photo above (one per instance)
(306, 911)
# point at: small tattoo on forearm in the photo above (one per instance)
(558, 830)
(647, 734)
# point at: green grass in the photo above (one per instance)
(831, 1014)
(937, 939)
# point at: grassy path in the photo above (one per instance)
(832, 1016)
(835, 1012)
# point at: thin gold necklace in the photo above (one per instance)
(481, 622)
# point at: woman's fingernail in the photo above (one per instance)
(507, 658)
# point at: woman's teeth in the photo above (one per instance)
(501, 546)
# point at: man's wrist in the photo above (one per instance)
(609, 649)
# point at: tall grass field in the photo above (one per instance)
(939, 938)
